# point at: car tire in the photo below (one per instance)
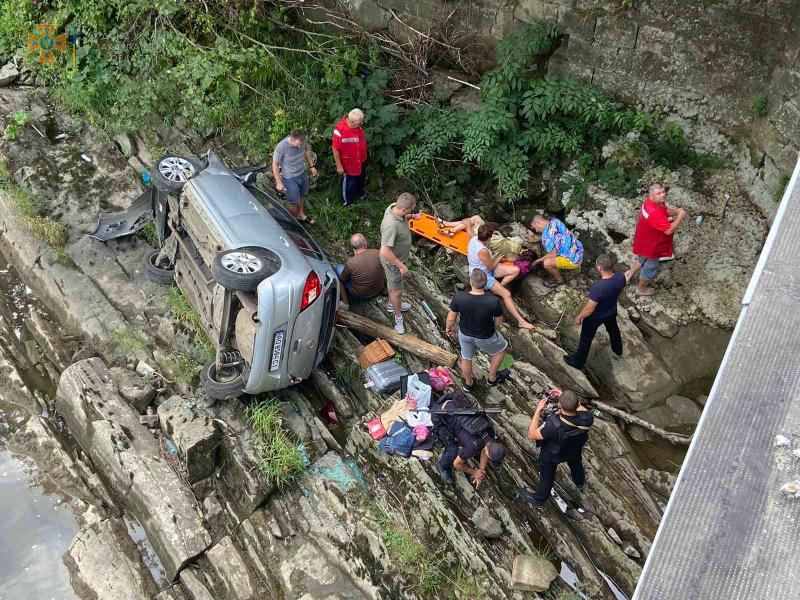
(242, 269)
(171, 172)
(229, 387)
(152, 272)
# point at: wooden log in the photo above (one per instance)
(675, 438)
(406, 341)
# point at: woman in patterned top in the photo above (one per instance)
(563, 250)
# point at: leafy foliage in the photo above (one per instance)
(383, 126)
(236, 70)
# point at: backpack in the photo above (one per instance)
(474, 424)
(571, 437)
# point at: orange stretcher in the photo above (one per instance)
(428, 227)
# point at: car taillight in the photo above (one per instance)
(311, 291)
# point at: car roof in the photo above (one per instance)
(239, 216)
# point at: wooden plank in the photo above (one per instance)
(406, 341)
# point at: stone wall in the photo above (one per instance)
(703, 60)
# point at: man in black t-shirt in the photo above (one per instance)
(478, 312)
(560, 439)
(601, 309)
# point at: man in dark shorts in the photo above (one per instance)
(289, 169)
(560, 439)
(465, 437)
(478, 312)
(362, 274)
(601, 309)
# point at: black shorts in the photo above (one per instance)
(471, 444)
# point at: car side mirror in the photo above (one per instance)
(250, 178)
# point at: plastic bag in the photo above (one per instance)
(418, 392)
(440, 378)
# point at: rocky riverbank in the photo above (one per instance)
(357, 523)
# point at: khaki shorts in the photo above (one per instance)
(394, 278)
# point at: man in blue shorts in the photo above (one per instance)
(289, 168)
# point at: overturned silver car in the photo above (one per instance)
(263, 288)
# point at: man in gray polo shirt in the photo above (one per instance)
(395, 252)
(289, 168)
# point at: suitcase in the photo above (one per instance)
(385, 376)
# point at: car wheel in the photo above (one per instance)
(227, 384)
(152, 271)
(171, 172)
(242, 269)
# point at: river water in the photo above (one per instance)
(36, 523)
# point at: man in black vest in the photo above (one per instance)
(560, 439)
(465, 437)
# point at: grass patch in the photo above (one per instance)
(181, 367)
(429, 570)
(779, 187)
(348, 372)
(148, 234)
(130, 342)
(280, 459)
(182, 311)
(340, 222)
(30, 209)
(758, 108)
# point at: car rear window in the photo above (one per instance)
(304, 242)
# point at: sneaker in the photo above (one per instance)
(647, 292)
(404, 307)
(445, 474)
(468, 388)
(616, 356)
(501, 377)
(570, 360)
(527, 495)
(398, 325)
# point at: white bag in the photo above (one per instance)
(421, 393)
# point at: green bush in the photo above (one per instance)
(236, 71)
(384, 127)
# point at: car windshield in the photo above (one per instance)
(304, 242)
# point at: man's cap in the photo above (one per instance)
(497, 452)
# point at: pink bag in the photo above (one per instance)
(376, 429)
(421, 433)
(440, 378)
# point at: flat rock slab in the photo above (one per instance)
(532, 574)
(128, 458)
(194, 434)
(104, 564)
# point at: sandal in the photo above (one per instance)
(306, 221)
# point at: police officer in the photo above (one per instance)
(561, 439)
(465, 436)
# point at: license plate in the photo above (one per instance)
(277, 350)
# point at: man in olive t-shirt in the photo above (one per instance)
(362, 274)
(396, 250)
